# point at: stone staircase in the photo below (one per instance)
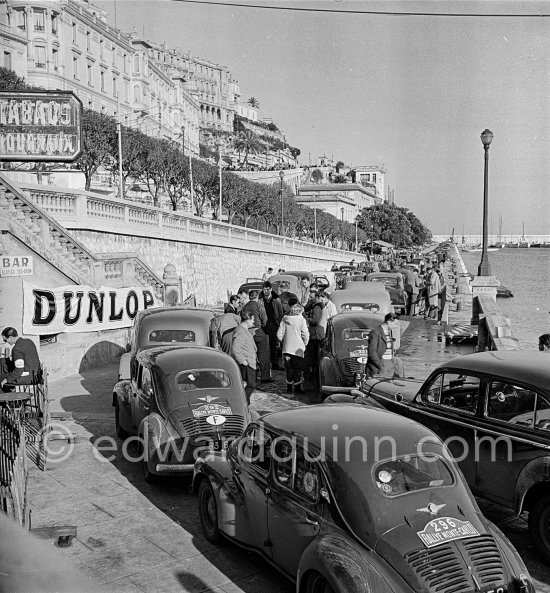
(39, 231)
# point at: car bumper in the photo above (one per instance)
(174, 468)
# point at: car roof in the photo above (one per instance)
(360, 290)
(284, 277)
(320, 423)
(354, 319)
(188, 355)
(166, 311)
(515, 365)
(385, 274)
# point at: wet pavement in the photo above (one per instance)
(136, 537)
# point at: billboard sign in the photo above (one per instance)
(40, 126)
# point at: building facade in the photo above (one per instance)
(343, 200)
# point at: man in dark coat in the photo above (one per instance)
(23, 366)
(380, 350)
(274, 310)
(234, 305)
(256, 307)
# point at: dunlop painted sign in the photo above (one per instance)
(76, 308)
(40, 126)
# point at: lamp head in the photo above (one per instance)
(281, 175)
(486, 137)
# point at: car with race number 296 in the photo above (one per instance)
(180, 400)
(342, 498)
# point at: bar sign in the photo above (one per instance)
(16, 265)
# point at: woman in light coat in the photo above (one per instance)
(294, 336)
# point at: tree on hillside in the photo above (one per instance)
(339, 179)
(339, 165)
(99, 139)
(393, 225)
(205, 185)
(316, 176)
(253, 102)
(135, 152)
(247, 142)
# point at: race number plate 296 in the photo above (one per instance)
(441, 531)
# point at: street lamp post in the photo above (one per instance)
(314, 219)
(281, 177)
(342, 211)
(356, 244)
(484, 268)
(372, 241)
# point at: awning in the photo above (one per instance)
(383, 244)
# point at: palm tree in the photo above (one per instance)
(247, 142)
(253, 102)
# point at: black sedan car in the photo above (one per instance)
(180, 400)
(341, 499)
(344, 347)
(493, 411)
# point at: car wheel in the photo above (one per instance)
(539, 526)
(318, 584)
(208, 513)
(120, 432)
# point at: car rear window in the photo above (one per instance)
(203, 379)
(282, 285)
(171, 335)
(411, 473)
(355, 334)
(370, 307)
(391, 282)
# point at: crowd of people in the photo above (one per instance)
(257, 331)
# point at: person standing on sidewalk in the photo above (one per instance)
(316, 335)
(294, 336)
(380, 349)
(433, 288)
(244, 352)
(256, 307)
(274, 310)
(329, 310)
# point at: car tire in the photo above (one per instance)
(149, 477)
(208, 513)
(120, 432)
(317, 583)
(539, 526)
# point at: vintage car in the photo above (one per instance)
(380, 516)
(298, 273)
(345, 343)
(325, 279)
(393, 283)
(167, 325)
(180, 400)
(493, 410)
(363, 296)
(251, 284)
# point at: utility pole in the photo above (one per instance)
(183, 140)
(119, 132)
(220, 171)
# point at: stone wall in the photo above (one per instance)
(207, 271)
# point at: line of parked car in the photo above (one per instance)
(312, 489)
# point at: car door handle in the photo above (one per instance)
(311, 521)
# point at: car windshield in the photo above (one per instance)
(281, 285)
(410, 473)
(391, 282)
(171, 335)
(203, 379)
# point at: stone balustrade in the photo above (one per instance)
(84, 210)
(34, 224)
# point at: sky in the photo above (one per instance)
(410, 92)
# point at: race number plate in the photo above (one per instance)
(441, 531)
(218, 445)
(212, 410)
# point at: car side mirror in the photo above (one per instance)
(324, 494)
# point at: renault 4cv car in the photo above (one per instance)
(364, 296)
(493, 411)
(180, 400)
(393, 283)
(167, 326)
(346, 341)
(341, 499)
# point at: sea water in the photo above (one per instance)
(526, 272)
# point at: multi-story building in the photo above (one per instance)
(68, 45)
(371, 177)
(343, 200)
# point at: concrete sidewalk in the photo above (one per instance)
(132, 536)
